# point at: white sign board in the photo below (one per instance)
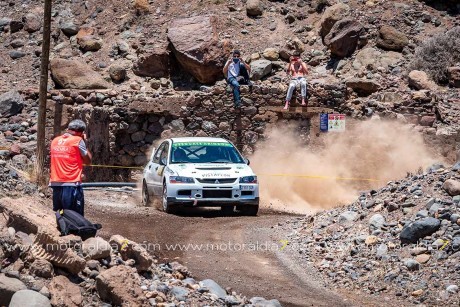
(336, 122)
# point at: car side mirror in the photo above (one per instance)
(163, 161)
(247, 161)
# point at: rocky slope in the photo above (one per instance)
(402, 240)
(38, 265)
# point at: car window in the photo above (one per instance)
(204, 152)
(156, 157)
(164, 153)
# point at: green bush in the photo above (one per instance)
(437, 54)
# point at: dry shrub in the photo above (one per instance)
(437, 54)
(142, 6)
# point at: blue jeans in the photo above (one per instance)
(68, 197)
(236, 89)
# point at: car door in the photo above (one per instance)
(153, 168)
(159, 163)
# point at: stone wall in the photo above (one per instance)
(122, 126)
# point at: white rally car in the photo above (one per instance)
(200, 171)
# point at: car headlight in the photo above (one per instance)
(248, 179)
(181, 179)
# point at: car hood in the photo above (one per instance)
(209, 170)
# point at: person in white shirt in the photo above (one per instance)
(237, 72)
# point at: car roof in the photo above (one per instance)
(200, 139)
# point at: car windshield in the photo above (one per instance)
(204, 152)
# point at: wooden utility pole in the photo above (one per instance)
(41, 123)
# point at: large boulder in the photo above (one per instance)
(29, 298)
(363, 87)
(452, 187)
(32, 23)
(419, 80)
(8, 286)
(330, 16)
(292, 45)
(213, 288)
(196, 46)
(11, 103)
(131, 250)
(95, 248)
(76, 75)
(412, 232)
(254, 8)
(343, 37)
(391, 39)
(260, 69)
(64, 293)
(119, 286)
(374, 58)
(153, 63)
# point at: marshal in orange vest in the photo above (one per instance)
(66, 160)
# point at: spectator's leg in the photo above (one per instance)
(78, 200)
(303, 89)
(290, 91)
(57, 198)
(236, 91)
(244, 73)
(67, 198)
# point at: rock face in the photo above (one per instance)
(131, 250)
(391, 39)
(343, 37)
(363, 87)
(260, 69)
(153, 63)
(11, 103)
(454, 76)
(254, 8)
(120, 286)
(75, 75)
(330, 16)
(64, 292)
(420, 81)
(25, 298)
(452, 187)
(8, 286)
(195, 44)
(412, 232)
(371, 57)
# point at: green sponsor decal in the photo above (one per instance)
(185, 144)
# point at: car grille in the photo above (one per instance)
(217, 193)
(213, 181)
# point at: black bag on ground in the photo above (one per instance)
(71, 222)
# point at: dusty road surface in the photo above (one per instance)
(244, 253)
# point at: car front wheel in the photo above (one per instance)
(145, 195)
(166, 205)
(249, 210)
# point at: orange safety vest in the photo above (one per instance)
(66, 160)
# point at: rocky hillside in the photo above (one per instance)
(402, 240)
(38, 265)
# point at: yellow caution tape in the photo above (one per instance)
(319, 177)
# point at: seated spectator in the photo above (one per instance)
(297, 70)
(237, 72)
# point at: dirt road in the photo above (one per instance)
(244, 253)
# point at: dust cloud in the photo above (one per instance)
(374, 149)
